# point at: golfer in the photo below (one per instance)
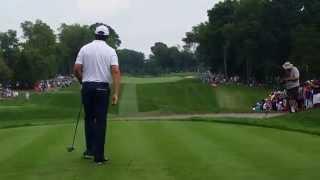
(96, 68)
(291, 82)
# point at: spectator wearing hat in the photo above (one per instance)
(291, 82)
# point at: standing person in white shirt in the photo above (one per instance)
(97, 68)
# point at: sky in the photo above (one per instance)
(140, 23)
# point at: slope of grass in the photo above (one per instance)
(162, 151)
(232, 98)
(191, 96)
(306, 122)
(43, 107)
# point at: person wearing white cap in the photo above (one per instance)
(291, 82)
(96, 68)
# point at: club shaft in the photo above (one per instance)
(76, 127)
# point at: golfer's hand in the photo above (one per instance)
(115, 99)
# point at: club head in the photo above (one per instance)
(70, 149)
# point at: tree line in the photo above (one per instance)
(252, 38)
(247, 38)
(41, 54)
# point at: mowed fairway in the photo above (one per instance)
(169, 149)
(162, 150)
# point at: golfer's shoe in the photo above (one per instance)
(101, 161)
(87, 155)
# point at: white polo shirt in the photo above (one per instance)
(96, 59)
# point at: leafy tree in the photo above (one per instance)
(5, 71)
(9, 45)
(131, 61)
(72, 38)
(161, 55)
(252, 38)
(172, 59)
(113, 40)
(38, 58)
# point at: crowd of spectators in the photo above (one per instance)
(7, 92)
(215, 79)
(308, 98)
(53, 84)
(12, 90)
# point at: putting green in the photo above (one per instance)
(162, 150)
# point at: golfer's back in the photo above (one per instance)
(96, 59)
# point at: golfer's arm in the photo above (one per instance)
(77, 71)
(116, 76)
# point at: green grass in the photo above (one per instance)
(48, 107)
(161, 151)
(128, 104)
(306, 122)
(150, 80)
(164, 95)
(224, 148)
(191, 96)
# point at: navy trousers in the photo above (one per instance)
(95, 99)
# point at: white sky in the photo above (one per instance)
(140, 23)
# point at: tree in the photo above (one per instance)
(252, 38)
(5, 71)
(9, 45)
(131, 61)
(161, 55)
(72, 38)
(113, 40)
(38, 58)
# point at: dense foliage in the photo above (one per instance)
(252, 38)
(42, 54)
(249, 38)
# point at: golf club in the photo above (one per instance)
(71, 148)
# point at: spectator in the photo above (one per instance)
(316, 92)
(308, 95)
(291, 82)
(27, 96)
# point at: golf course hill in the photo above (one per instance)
(34, 135)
